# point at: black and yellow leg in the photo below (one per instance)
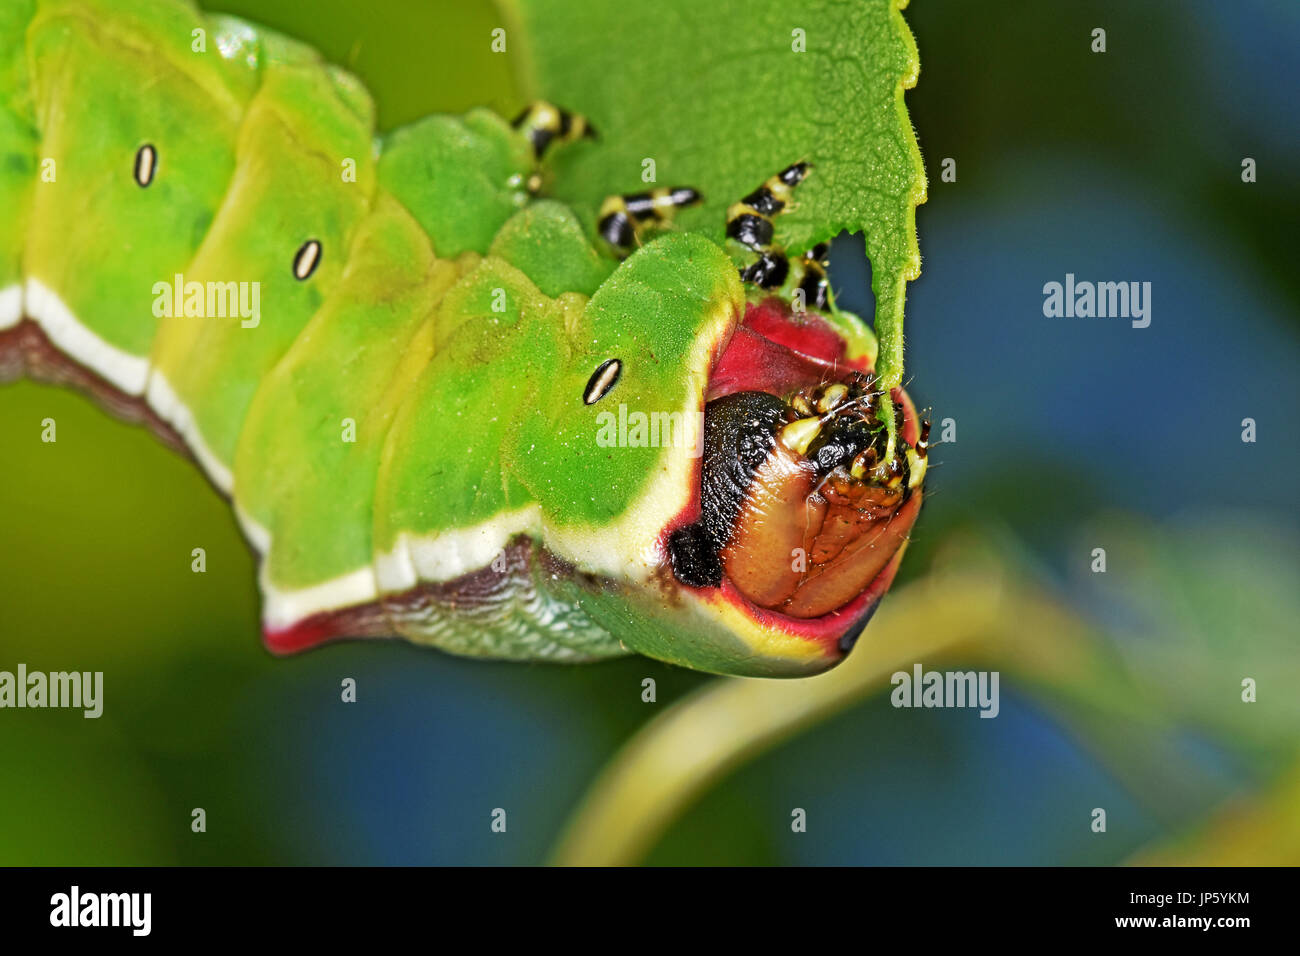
(624, 220)
(544, 123)
(750, 223)
(815, 284)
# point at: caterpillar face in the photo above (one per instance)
(803, 480)
(804, 515)
(768, 529)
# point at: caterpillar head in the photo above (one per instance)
(729, 492)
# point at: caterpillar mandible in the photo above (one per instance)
(442, 406)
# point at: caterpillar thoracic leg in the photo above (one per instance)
(750, 225)
(544, 123)
(815, 284)
(749, 221)
(624, 220)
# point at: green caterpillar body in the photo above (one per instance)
(396, 406)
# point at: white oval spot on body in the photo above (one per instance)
(146, 164)
(601, 381)
(306, 260)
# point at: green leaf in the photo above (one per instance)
(717, 96)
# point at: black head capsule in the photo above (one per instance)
(146, 164)
(306, 259)
(602, 380)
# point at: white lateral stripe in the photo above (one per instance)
(257, 535)
(394, 570)
(434, 558)
(126, 372)
(440, 557)
(450, 554)
(282, 609)
(627, 549)
(163, 400)
(11, 306)
(414, 559)
(628, 546)
(129, 374)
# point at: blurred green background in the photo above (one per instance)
(1071, 435)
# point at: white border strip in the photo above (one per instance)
(435, 558)
(414, 560)
(256, 534)
(11, 306)
(283, 609)
(627, 549)
(126, 372)
(163, 400)
(129, 374)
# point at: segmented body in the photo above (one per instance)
(406, 407)
(401, 295)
